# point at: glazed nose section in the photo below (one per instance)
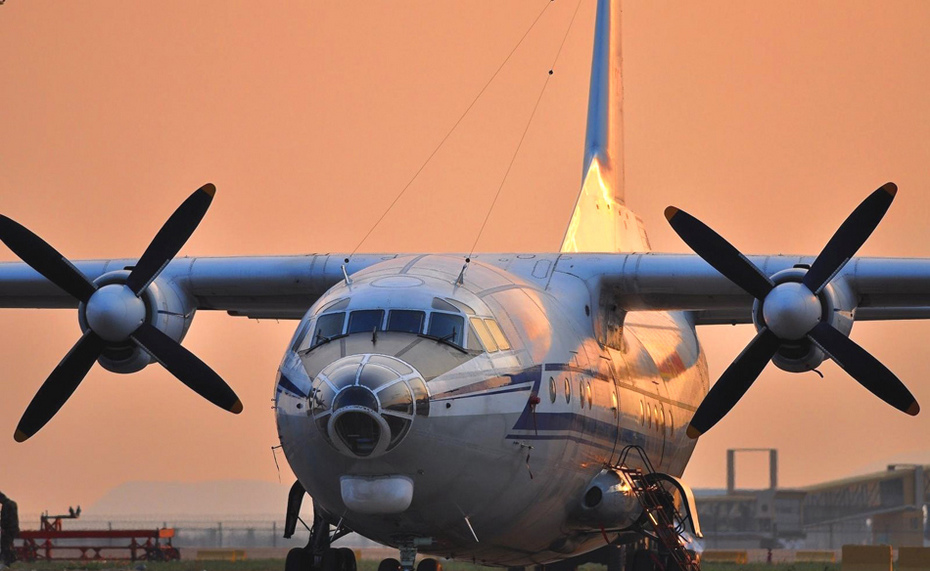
(356, 427)
(364, 405)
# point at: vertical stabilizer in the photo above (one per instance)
(601, 222)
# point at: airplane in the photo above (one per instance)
(482, 410)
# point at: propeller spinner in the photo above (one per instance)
(791, 311)
(116, 313)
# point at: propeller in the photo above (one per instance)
(115, 314)
(791, 311)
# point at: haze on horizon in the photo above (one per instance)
(768, 121)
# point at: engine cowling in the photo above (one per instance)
(164, 306)
(126, 316)
(608, 502)
(836, 307)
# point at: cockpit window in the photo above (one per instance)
(329, 325)
(464, 308)
(365, 320)
(406, 321)
(498, 335)
(443, 305)
(447, 326)
(299, 335)
(482, 330)
(335, 305)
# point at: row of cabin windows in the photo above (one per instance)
(656, 418)
(442, 325)
(585, 394)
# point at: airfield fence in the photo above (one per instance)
(219, 532)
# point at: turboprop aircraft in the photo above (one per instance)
(513, 409)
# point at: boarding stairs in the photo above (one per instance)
(661, 520)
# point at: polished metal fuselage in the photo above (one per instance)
(514, 437)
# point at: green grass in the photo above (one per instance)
(364, 565)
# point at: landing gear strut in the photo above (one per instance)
(319, 554)
(407, 562)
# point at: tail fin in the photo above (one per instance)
(601, 222)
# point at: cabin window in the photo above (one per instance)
(552, 390)
(655, 413)
(568, 390)
(581, 394)
(642, 414)
(447, 326)
(498, 335)
(406, 321)
(613, 403)
(482, 330)
(366, 320)
(590, 395)
(329, 325)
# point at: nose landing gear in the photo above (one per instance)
(319, 554)
(408, 555)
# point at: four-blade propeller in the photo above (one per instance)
(791, 311)
(116, 314)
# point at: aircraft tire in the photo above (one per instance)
(642, 561)
(298, 559)
(429, 564)
(389, 564)
(345, 559)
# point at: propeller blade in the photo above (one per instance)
(172, 236)
(46, 260)
(187, 367)
(865, 368)
(734, 382)
(719, 253)
(850, 236)
(59, 385)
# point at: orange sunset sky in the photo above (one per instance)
(770, 121)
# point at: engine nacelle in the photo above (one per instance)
(608, 502)
(167, 308)
(837, 306)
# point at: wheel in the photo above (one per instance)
(389, 565)
(643, 561)
(330, 560)
(429, 565)
(298, 559)
(616, 554)
(345, 559)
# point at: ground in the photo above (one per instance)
(364, 565)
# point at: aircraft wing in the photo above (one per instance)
(281, 287)
(872, 288)
(284, 287)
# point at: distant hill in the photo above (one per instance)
(228, 499)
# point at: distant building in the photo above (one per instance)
(887, 507)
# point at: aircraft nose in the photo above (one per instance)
(356, 427)
(364, 405)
